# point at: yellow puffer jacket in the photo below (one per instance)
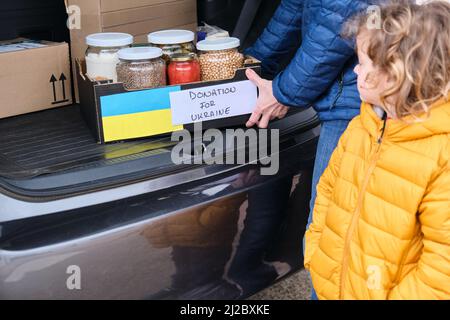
(381, 227)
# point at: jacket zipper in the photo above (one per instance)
(357, 211)
(340, 91)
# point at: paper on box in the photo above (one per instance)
(213, 102)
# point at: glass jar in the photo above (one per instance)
(173, 42)
(101, 54)
(141, 68)
(183, 68)
(219, 58)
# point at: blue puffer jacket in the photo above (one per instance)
(321, 73)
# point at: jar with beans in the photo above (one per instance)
(141, 67)
(173, 42)
(219, 58)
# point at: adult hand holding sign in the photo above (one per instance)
(267, 107)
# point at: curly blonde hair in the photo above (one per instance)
(413, 48)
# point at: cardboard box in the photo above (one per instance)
(33, 76)
(115, 114)
(150, 12)
(137, 17)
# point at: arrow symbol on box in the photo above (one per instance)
(52, 81)
(63, 78)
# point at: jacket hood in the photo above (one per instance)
(405, 130)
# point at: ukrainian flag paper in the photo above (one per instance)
(137, 114)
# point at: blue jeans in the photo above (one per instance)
(330, 134)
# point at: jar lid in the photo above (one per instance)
(171, 37)
(109, 39)
(140, 53)
(218, 44)
(182, 57)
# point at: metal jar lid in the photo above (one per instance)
(182, 57)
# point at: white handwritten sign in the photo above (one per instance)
(213, 102)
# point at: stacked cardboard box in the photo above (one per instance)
(136, 17)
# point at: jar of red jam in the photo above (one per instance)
(183, 68)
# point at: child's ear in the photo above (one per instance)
(372, 79)
(387, 80)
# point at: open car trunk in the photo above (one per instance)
(52, 154)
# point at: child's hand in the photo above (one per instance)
(267, 107)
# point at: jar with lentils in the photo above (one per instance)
(219, 58)
(141, 67)
(173, 42)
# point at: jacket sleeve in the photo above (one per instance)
(324, 193)
(321, 58)
(431, 278)
(280, 37)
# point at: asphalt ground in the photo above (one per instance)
(294, 287)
